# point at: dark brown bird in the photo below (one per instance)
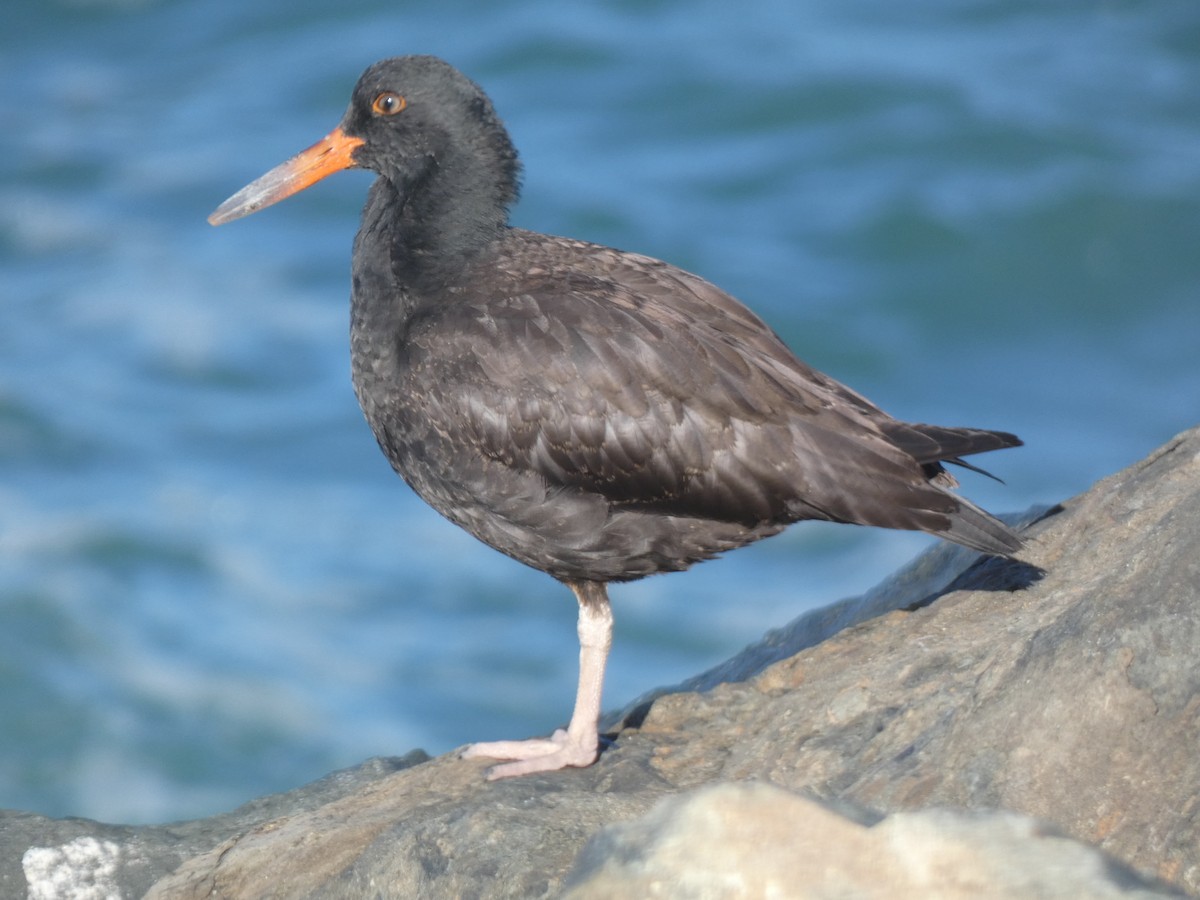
(595, 414)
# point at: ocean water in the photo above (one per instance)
(211, 584)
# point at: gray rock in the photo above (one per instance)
(78, 859)
(727, 842)
(1072, 698)
(913, 585)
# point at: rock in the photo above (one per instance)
(752, 840)
(78, 859)
(914, 585)
(1071, 697)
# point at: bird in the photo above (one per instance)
(593, 413)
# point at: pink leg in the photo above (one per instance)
(579, 744)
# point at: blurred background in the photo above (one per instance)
(212, 586)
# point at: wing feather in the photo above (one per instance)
(697, 410)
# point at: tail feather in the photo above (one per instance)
(979, 530)
(971, 467)
(933, 443)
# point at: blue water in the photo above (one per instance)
(211, 584)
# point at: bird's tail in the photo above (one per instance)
(979, 530)
(932, 445)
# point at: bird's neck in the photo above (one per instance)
(438, 223)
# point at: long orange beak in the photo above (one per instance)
(332, 153)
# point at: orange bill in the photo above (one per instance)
(332, 153)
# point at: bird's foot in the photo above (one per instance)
(559, 751)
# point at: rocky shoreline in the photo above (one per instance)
(972, 728)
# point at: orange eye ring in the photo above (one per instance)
(388, 104)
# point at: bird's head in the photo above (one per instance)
(409, 118)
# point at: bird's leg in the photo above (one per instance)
(579, 744)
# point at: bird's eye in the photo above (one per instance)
(388, 104)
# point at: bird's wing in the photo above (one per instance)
(659, 392)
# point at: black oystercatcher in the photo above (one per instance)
(598, 415)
